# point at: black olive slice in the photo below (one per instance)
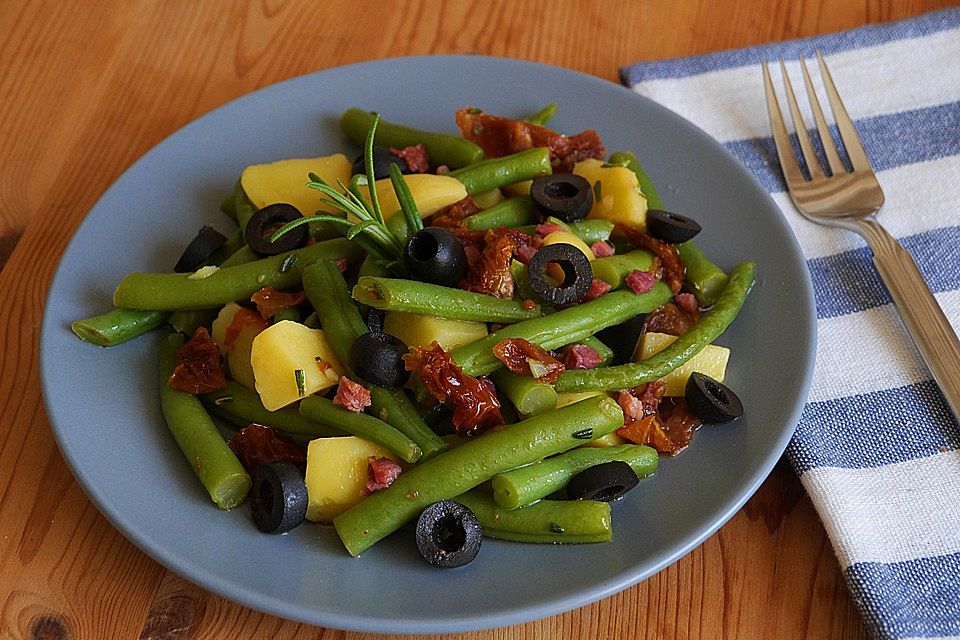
(623, 338)
(710, 400)
(267, 220)
(577, 274)
(200, 248)
(563, 195)
(434, 255)
(602, 482)
(382, 158)
(670, 227)
(448, 534)
(377, 358)
(278, 497)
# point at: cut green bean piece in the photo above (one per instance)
(704, 278)
(570, 325)
(542, 117)
(614, 269)
(117, 326)
(187, 321)
(524, 485)
(172, 291)
(394, 294)
(241, 406)
(512, 212)
(202, 445)
(442, 148)
(546, 522)
(530, 396)
(500, 172)
(590, 231)
(463, 467)
(364, 426)
(711, 325)
(646, 186)
(229, 204)
(243, 207)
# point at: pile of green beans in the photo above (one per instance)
(500, 172)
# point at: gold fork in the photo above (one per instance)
(850, 200)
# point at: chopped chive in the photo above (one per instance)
(301, 382)
(474, 111)
(583, 434)
(596, 191)
(555, 528)
(288, 262)
(223, 400)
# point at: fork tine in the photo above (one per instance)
(809, 155)
(781, 138)
(858, 157)
(829, 148)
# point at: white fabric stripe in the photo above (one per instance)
(870, 351)
(894, 513)
(936, 638)
(888, 78)
(917, 197)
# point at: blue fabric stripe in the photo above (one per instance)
(891, 140)
(868, 36)
(874, 429)
(915, 598)
(847, 282)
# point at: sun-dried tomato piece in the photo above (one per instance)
(650, 396)
(416, 157)
(523, 357)
(351, 395)
(241, 319)
(674, 270)
(198, 367)
(381, 472)
(491, 274)
(257, 444)
(453, 215)
(474, 402)
(669, 319)
(270, 302)
(668, 430)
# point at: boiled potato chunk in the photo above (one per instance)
(415, 329)
(280, 351)
(286, 181)
(336, 475)
(486, 199)
(620, 198)
(712, 360)
(429, 191)
(234, 330)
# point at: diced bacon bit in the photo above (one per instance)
(529, 305)
(602, 249)
(474, 402)
(631, 405)
(257, 444)
(381, 472)
(198, 367)
(547, 229)
(416, 157)
(581, 356)
(650, 395)
(242, 318)
(670, 319)
(270, 302)
(351, 395)
(525, 253)
(491, 274)
(674, 270)
(640, 281)
(687, 302)
(342, 265)
(453, 215)
(597, 288)
(443, 170)
(527, 359)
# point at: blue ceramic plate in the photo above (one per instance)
(103, 403)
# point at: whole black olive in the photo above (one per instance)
(278, 497)
(670, 227)
(200, 248)
(710, 400)
(378, 359)
(382, 158)
(577, 274)
(448, 534)
(602, 482)
(563, 195)
(434, 255)
(374, 319)
(265, 221)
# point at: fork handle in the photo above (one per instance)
(919, 310)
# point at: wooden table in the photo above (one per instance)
(87, 87)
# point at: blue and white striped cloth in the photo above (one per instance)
(876, 448)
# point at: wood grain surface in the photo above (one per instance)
(87, 87)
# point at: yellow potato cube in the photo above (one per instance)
(286, 181)
(430, 192)
(620, 198)
(285, 348)
(486, 199)
(336, 475)
(237, 352)
(712, 360)
(421, 330)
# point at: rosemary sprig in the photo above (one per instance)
(368, 165)
(405, 198)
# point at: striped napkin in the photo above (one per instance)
(876, 447)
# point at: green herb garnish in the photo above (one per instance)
(288, 262)
(596, 192)
(583, 434)
(555, 528)
(301, 382)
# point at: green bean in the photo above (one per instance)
(530, 396)
(646, 186)
(590, 231)
(397, 225)
(442, 148)
(546, 522)
(512, 212)
(606, 353)
(171, 291)
(117, 326)
(524, 485)
(327, 291)
(232, 245)
(241, 406)
(463, 467)
(395, 294)
(710, 326)
(500, 172)
(704, 278)
(243, 207)
(370, 267)
(229, 204)
(542, 117)
(202, 445)
(324, 412)
(187, 321)
(290, 313)
(563, 327)
(614, 269)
